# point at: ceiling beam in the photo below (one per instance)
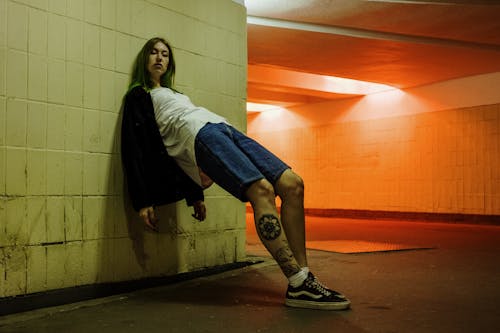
(362, 33)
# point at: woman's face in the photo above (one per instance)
(158, 61)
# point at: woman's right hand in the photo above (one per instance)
(148, 216)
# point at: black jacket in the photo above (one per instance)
(152, 176)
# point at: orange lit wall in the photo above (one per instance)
(432, 149)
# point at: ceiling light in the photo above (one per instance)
(312, 82)
(260, 107)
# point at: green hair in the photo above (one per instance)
(140, 74)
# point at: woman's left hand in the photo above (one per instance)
(200, 211)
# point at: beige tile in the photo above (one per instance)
(124, 55)
(74, 8)
(91, 45)
(92, 10)
(3, 71)
(36, 130)
(93, 217)
(36, 211)
(208, 73)
(117, 174)
(91, 131)
(36, 273)
(108, 49)
(41, 4)
(186, 76)
(175, 35)
(73, 174)
(56, 81)
(74, 264)
(90, 256)
(159, 21)
(91, 172)
(124, 17)
(195, 41)
(73, 139)
(36, 172)
(211, 36)
(121, 228)
(140, 19)
(37, 77)
(16, 232)
(3, 25)
(37, 33)
(15, 271)
(91, 87)
(109, 217)
(107, 91)
(3, 236)
(109, 132)
(205, 11)
(74, 40)
(3, 116)
(74, 84)
(17, 74)
(226, 212)
(107, 262)
(105, 174)
(121, 86)
(17, 26)
(108, 13)
(2, 271)
(167, 255)
(57, 6)
(127, 264)
(55, 219)
(136, 44)
(56, 258)
(2, 176)
(73, 213)
(55, 173)
(56, 36)
(15, 171)
(56, 126)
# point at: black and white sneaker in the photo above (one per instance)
(313, 295)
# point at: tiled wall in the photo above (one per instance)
(438, 162)
(64, 68)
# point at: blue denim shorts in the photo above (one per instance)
(233, 160)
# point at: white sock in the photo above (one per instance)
(298, 278)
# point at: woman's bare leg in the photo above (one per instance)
(290, 188)
(269, 228)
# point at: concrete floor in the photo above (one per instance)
(454, 287)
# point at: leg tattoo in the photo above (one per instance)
(290, 269)
(284, 257)
(284, 254)
(269, 227)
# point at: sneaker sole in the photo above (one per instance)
(317, 305)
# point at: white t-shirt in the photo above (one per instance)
(179, 121)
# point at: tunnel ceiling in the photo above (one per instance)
(399, 43)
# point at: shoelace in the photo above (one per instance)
(314, 283)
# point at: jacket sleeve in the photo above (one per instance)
(191, 191)
(132, 153)
(152, 177)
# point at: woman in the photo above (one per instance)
(173, 149)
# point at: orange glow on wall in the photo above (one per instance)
(434, 149)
